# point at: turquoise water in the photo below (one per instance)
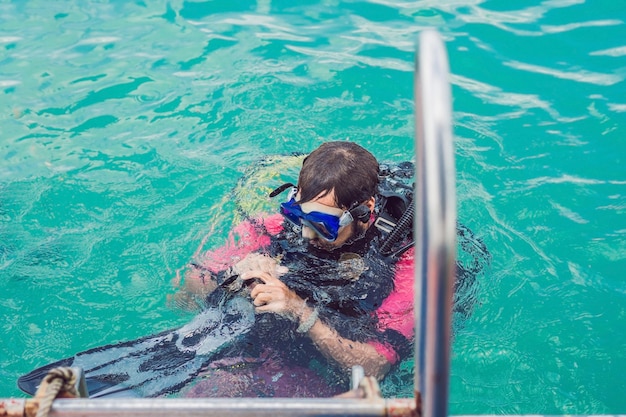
(125, 125)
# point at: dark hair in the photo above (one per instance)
(345, 167)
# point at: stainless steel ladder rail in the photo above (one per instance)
(435, 224)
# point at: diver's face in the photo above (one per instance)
(326, 204)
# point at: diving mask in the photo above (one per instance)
(326, 225)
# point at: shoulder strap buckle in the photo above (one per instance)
(384, 224)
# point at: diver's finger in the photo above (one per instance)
(270, 279)
(263, 309)
(262, 299)
(258, 289)
(272, 306)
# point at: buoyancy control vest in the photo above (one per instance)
(394, 213)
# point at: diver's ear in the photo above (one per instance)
(371, 203)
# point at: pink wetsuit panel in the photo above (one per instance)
(245, 238)
(396, 311)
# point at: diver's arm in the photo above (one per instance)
(344, 351)
(192, 287)
(275, 297)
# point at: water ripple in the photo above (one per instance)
(496, 95)
(579, 76)
(346, 59)
(573, 26)
(613, 52)
(96, 40)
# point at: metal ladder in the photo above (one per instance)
(435, 231)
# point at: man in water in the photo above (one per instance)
(324, 295)
(293, 300)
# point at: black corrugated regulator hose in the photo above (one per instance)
(399, 231)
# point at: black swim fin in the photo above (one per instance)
(158, 364)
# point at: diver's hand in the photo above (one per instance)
(259, 262)
(272, 295)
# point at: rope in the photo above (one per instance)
(58, 382)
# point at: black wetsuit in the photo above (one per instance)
(346, 286)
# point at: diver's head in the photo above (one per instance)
(334, 198)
